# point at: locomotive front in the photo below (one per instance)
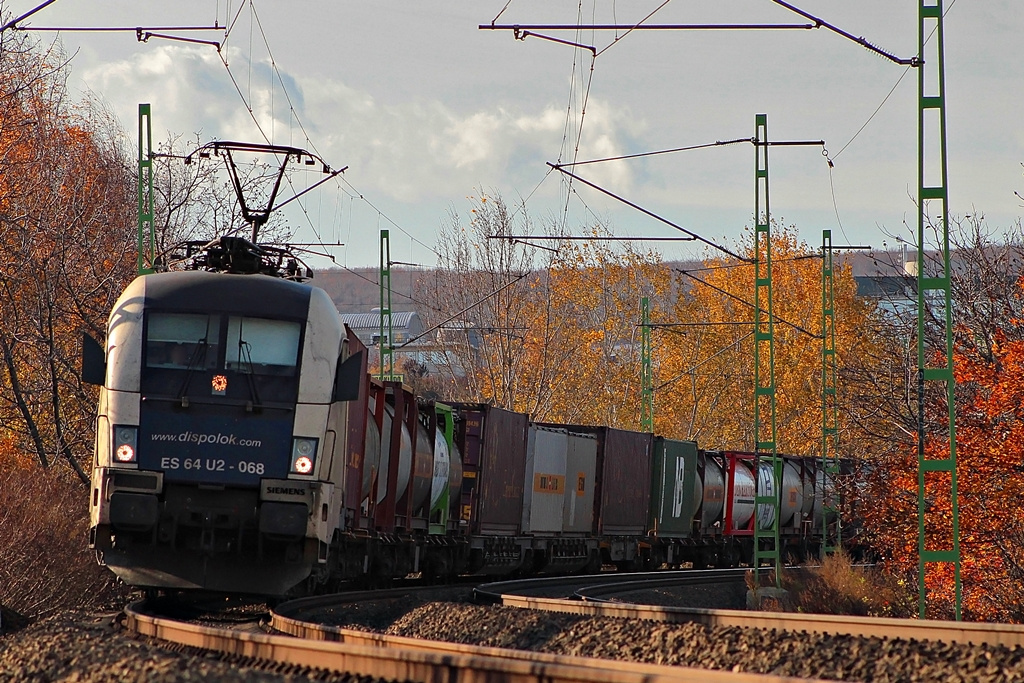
(218, 421)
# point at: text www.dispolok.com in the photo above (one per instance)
(213, 439)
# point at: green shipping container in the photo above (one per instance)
(676, 489)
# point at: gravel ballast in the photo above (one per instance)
(78, 646)
(729, 648)
(94, 648)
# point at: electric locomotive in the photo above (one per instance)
(222, 423)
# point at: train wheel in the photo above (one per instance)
(593, 565)
(626, 565)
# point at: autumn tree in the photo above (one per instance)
(988, 359)
(704, 348)
(529, 327)
(478, 301)
(67, 247)
(583, 350)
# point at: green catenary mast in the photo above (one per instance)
(146, 241)
(385, 343)
(830, 521)
(766, 500)
(940, 490)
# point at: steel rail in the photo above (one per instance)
(410, 659)
(976, 633)
(498, 591)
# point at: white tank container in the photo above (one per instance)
(442, 468)
(821, 481)
(712, 492)
(765, 487)
(808, 471)
(742, 495)
(791, 500)
(455, 477)
(371, 457)
(423, 471)
(404, 457)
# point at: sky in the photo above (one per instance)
(426, 110)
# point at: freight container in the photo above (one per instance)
(544, 481)
(581, 481)
(676, 488)
(623, 488)
(711, 473)
(493, 446)
(738, 472)
(625, 483)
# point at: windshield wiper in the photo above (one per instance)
(200, 348)
(246, 363)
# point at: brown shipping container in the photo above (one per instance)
(623, 489)
(493, 446)
(625, 483)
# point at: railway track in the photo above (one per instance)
(841, 647)
(592, 599)
(308, 644)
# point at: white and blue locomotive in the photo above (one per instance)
(222, 423)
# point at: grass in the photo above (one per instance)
(837, 586)
(45, 564)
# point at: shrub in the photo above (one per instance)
(837, 586)
(45, 563)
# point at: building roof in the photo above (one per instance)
(371, 321)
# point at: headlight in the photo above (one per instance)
(303, 454)
(125, 443)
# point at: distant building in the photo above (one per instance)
(404, 326)
(434, 350)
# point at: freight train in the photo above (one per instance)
(242, 446)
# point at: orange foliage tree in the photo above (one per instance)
(66, 242)
(988, 368)
(547, 331)
(704, 354)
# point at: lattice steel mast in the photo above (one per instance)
(932, 187)
(831, 538)
(766, 499)
(385, 342)
(145, 191)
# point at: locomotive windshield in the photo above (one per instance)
(192, 354)
(181, 341)
(264, 347)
